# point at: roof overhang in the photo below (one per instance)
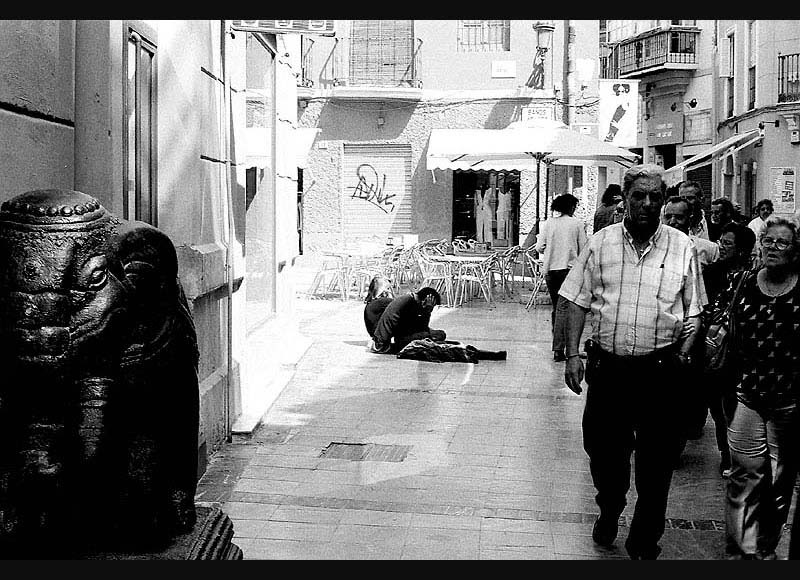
(729, 146)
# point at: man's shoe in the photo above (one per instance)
(559, 356)
(604, 531)
(642, 554)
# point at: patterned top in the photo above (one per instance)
(767, 343)
(638, 303)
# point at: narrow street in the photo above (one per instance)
(366, 456)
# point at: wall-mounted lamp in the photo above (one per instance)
(691, 104)
(544, 37)
(776, 122)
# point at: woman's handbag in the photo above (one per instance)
(719, 334)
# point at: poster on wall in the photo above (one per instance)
(619, 111)
(783, 182)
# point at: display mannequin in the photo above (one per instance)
(483, 215)
(503, 214)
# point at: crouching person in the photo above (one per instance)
(407, 318)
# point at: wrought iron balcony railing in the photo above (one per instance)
(658, 49)
(788, 78)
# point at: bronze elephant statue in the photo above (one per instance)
(99, 398)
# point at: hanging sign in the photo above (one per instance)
(322, 27)
(782, 185)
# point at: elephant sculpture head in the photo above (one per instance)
(99, 400)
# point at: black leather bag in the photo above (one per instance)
(719, 332)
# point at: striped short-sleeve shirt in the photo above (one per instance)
(638, 303)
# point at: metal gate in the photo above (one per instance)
(376, 191)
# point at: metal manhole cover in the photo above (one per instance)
(366, 452)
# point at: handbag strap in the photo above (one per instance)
(732, 301)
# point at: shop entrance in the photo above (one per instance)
(486, 206)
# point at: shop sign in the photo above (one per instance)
(538, 111)
(322, 27)
(782, 185)
(665, 129)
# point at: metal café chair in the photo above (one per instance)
(537, 274)
(332, 276)
(475, 276)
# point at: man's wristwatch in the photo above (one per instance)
(685, 357)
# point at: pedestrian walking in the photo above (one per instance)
(735, 247)
(764, 209)
(604, 216)
(677, 214)
(640, 281)
(692, 192)
(562, 240)
(722, 212)
(763, 431)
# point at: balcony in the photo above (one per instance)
(382, 68)
(789, 78)
(654, 51)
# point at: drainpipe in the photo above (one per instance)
(569, 66)
(228, 119)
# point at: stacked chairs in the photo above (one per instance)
(505, 267)
(474, 277)
(537, 275)
(436, 274)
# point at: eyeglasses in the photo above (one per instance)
(779, 244)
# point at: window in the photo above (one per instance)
(788, 78)
(382, 53)
(731, 85)
(139, 128)
(484, 35)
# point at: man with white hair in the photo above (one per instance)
(640, 280)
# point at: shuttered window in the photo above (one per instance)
(376, 191)
(381, 52)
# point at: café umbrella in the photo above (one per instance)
(520, 146)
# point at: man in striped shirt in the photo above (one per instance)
(640, 281)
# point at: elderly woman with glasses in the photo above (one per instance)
(763, 431)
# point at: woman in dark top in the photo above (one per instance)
(763, 432)
(735, 248)
(604, 216)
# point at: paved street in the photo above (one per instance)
(366, 456)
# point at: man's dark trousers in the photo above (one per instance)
(633, 405)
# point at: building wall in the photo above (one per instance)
(458, 92)
(37, 113)
(773, 37)
(411, 124)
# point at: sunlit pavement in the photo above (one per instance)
(367, 456)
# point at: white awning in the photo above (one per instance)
(675, 174)
(518, 148)
(303, 141)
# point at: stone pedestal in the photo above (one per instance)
(210, 539)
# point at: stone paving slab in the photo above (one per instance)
(493, 466)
